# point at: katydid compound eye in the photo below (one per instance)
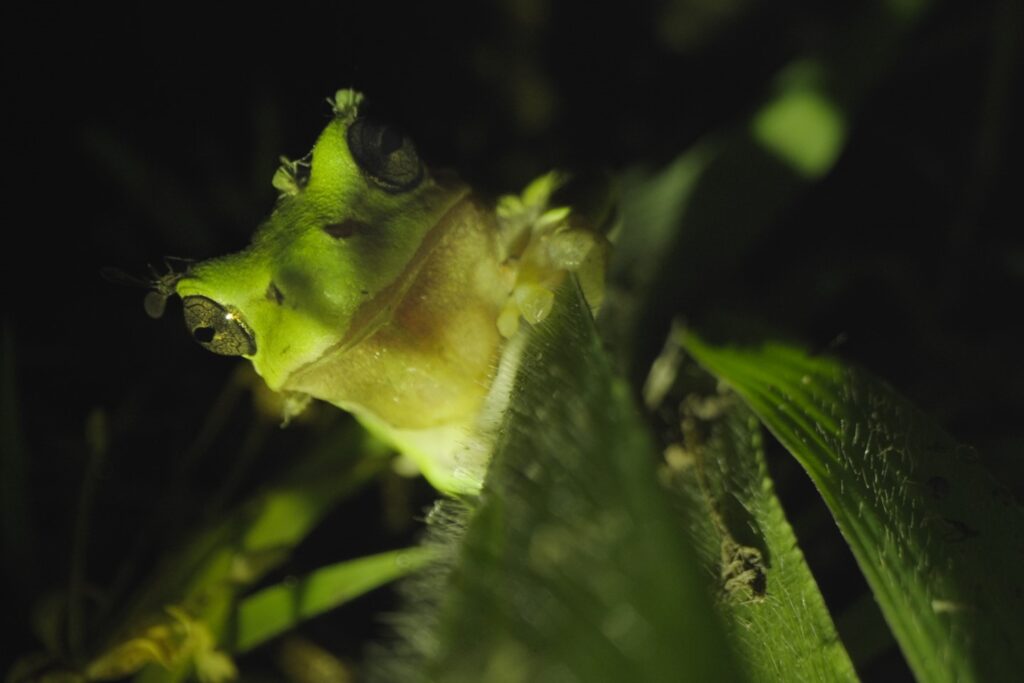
(385, 154)
(218, 329)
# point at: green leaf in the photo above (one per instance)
(777, 620)
(250, 540)
(201, 580)
(274, 610)
(939, 540)
(573, 566)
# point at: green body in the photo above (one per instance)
(389, 291)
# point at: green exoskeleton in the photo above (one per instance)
(391, 291)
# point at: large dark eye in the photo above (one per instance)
(386, 155)
(217, 328)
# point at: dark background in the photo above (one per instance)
(139, 133)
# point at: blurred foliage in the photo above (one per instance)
(839, 171)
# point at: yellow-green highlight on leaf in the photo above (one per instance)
(174, 640)
(906, 9)
(804, 128)
(274, 610)
(302, 661)
(204, 577)
(281, 515)
(939, 540)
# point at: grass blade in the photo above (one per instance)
(777, 620)
(178, 618)
(573, 567)
(938, 539)
(274, 610)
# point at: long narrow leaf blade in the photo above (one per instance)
(573, 567)
(274, 610)
(940, 542)
(777, 620)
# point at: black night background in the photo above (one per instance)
(151, 131)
